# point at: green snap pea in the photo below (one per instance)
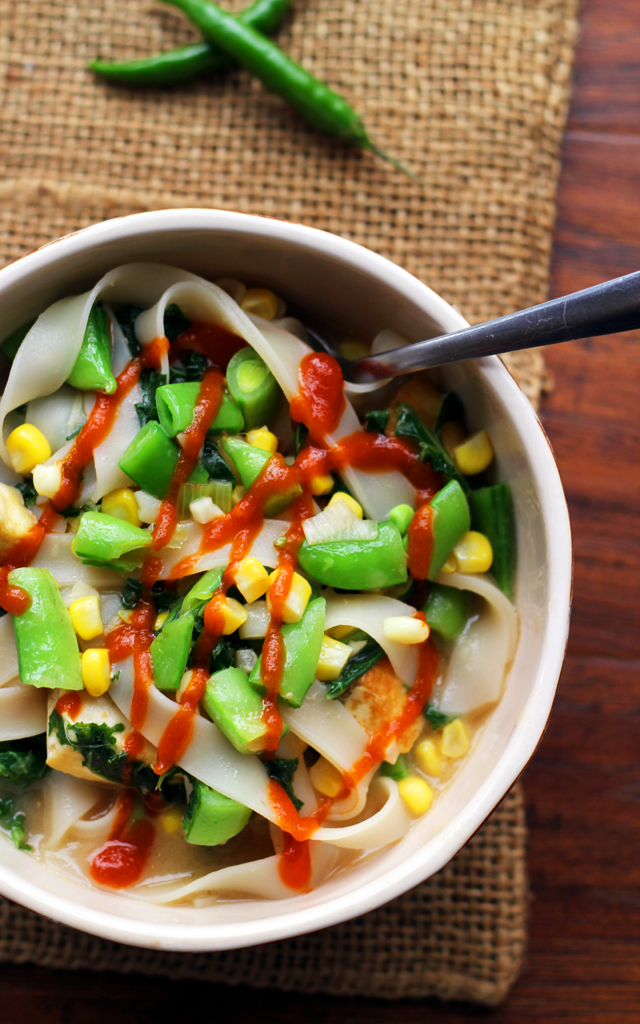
(237, 709)
(254, 388)
(250, 463)
(357, 564)
(302, 643)
(451, 520)
(92, 369)
(396, 771)
(48, 653)
(492, 513)
(212, 818)
(170, 652)
(446, 610)
(105, 540)
(401, 516)
(150, 459)
(176, 404)
(188, 62)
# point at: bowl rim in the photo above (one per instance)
(531, 721)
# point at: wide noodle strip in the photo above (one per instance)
(367, 612)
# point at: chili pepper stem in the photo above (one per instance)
(391, 159)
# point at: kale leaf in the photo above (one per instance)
(193, 368)
(23, 761)
(13, 823)
(126, 317)
(282, 770)
(430, 446)
(163, 598)
(28, 492)
(376, 421)
(435, 718)
(357, 665)
(175, 322)
(150, 381)
(299, 437)
(214, 464)
(97, 746)
(131, 593)
(451, 409)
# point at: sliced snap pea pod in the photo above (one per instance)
(46, 642)
(253, 386)
(250, 463)
(176, 404)
(104, 540)
(302, 642)
(451, 520)
(202, 592)
(170, 652)
(357, 564)
(13, 341)
(92, 368)
(492, 512)
(446, 610)
(236, 708)
(396, 771)
(357, 665)
(211, 818)
(150, 459)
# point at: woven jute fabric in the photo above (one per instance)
(460, 935)
(472, 96)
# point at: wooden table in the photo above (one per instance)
(583, 786)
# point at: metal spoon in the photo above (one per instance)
(606, 308)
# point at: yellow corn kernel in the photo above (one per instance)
(86, 618)
(450, 565)
(238, 494)
(234, 614)
(160, 620)
(405, 629)
(27, 448)
(122, 504)
(473, 553)
(322, 484)
(325, 778)
(350, 502)
(47, 480)
(474, 454)
(455, 739)
(417, 794)
(260, 302)
(251, 579)
(354, 349)
(428, 757)
(297, 599)
(263, 438)
(452, 435)
(171, 821)
(333, 658)
(339, 632)
(96, 671)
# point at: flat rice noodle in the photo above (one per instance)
(23, 711)
(109, 476)
(480, 656)
(8, 652)
(57, 415)
(262, 548)
(367, 612)
(389, 824)
(56, 555)
(66, 800)
(258, 878)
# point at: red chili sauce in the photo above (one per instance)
(320, 402)
(420, 546)
(120, 861)
(12, 598)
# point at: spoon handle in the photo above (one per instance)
(606, 308)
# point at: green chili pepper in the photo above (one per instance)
(211, 818)
(236, 708)
(492, 510)
(357, 564)
(104, 540)
(446, 610)
(150, 459)
(170, 652)
(92, 368)
(396, 771)
(189, 62)
(254, 388)
(302, 642)
(250, 463)
(321, 106)
(176, 404)
(451, 520)
(48, 653)
(13, 341)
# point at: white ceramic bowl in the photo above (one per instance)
(364, 292)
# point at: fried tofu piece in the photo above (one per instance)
(379, 698)
(421, 395)
(15, 519)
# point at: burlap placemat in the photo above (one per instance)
(472, 95)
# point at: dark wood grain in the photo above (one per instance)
(583, 786)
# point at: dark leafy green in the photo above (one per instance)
(299, 437)
(282, 770)
(164, 598)
(97, 746)
(430, 446)
(376, 421)
(357, 665)
(396, 771)
(435, 718)
(131, 593)
(13, 823)
(175, 322)
(28, 492)
(194, 365)
(214, 464)
(23, 761)
(150, 381)
(126, 317)
(74, 433)
(451, 409)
